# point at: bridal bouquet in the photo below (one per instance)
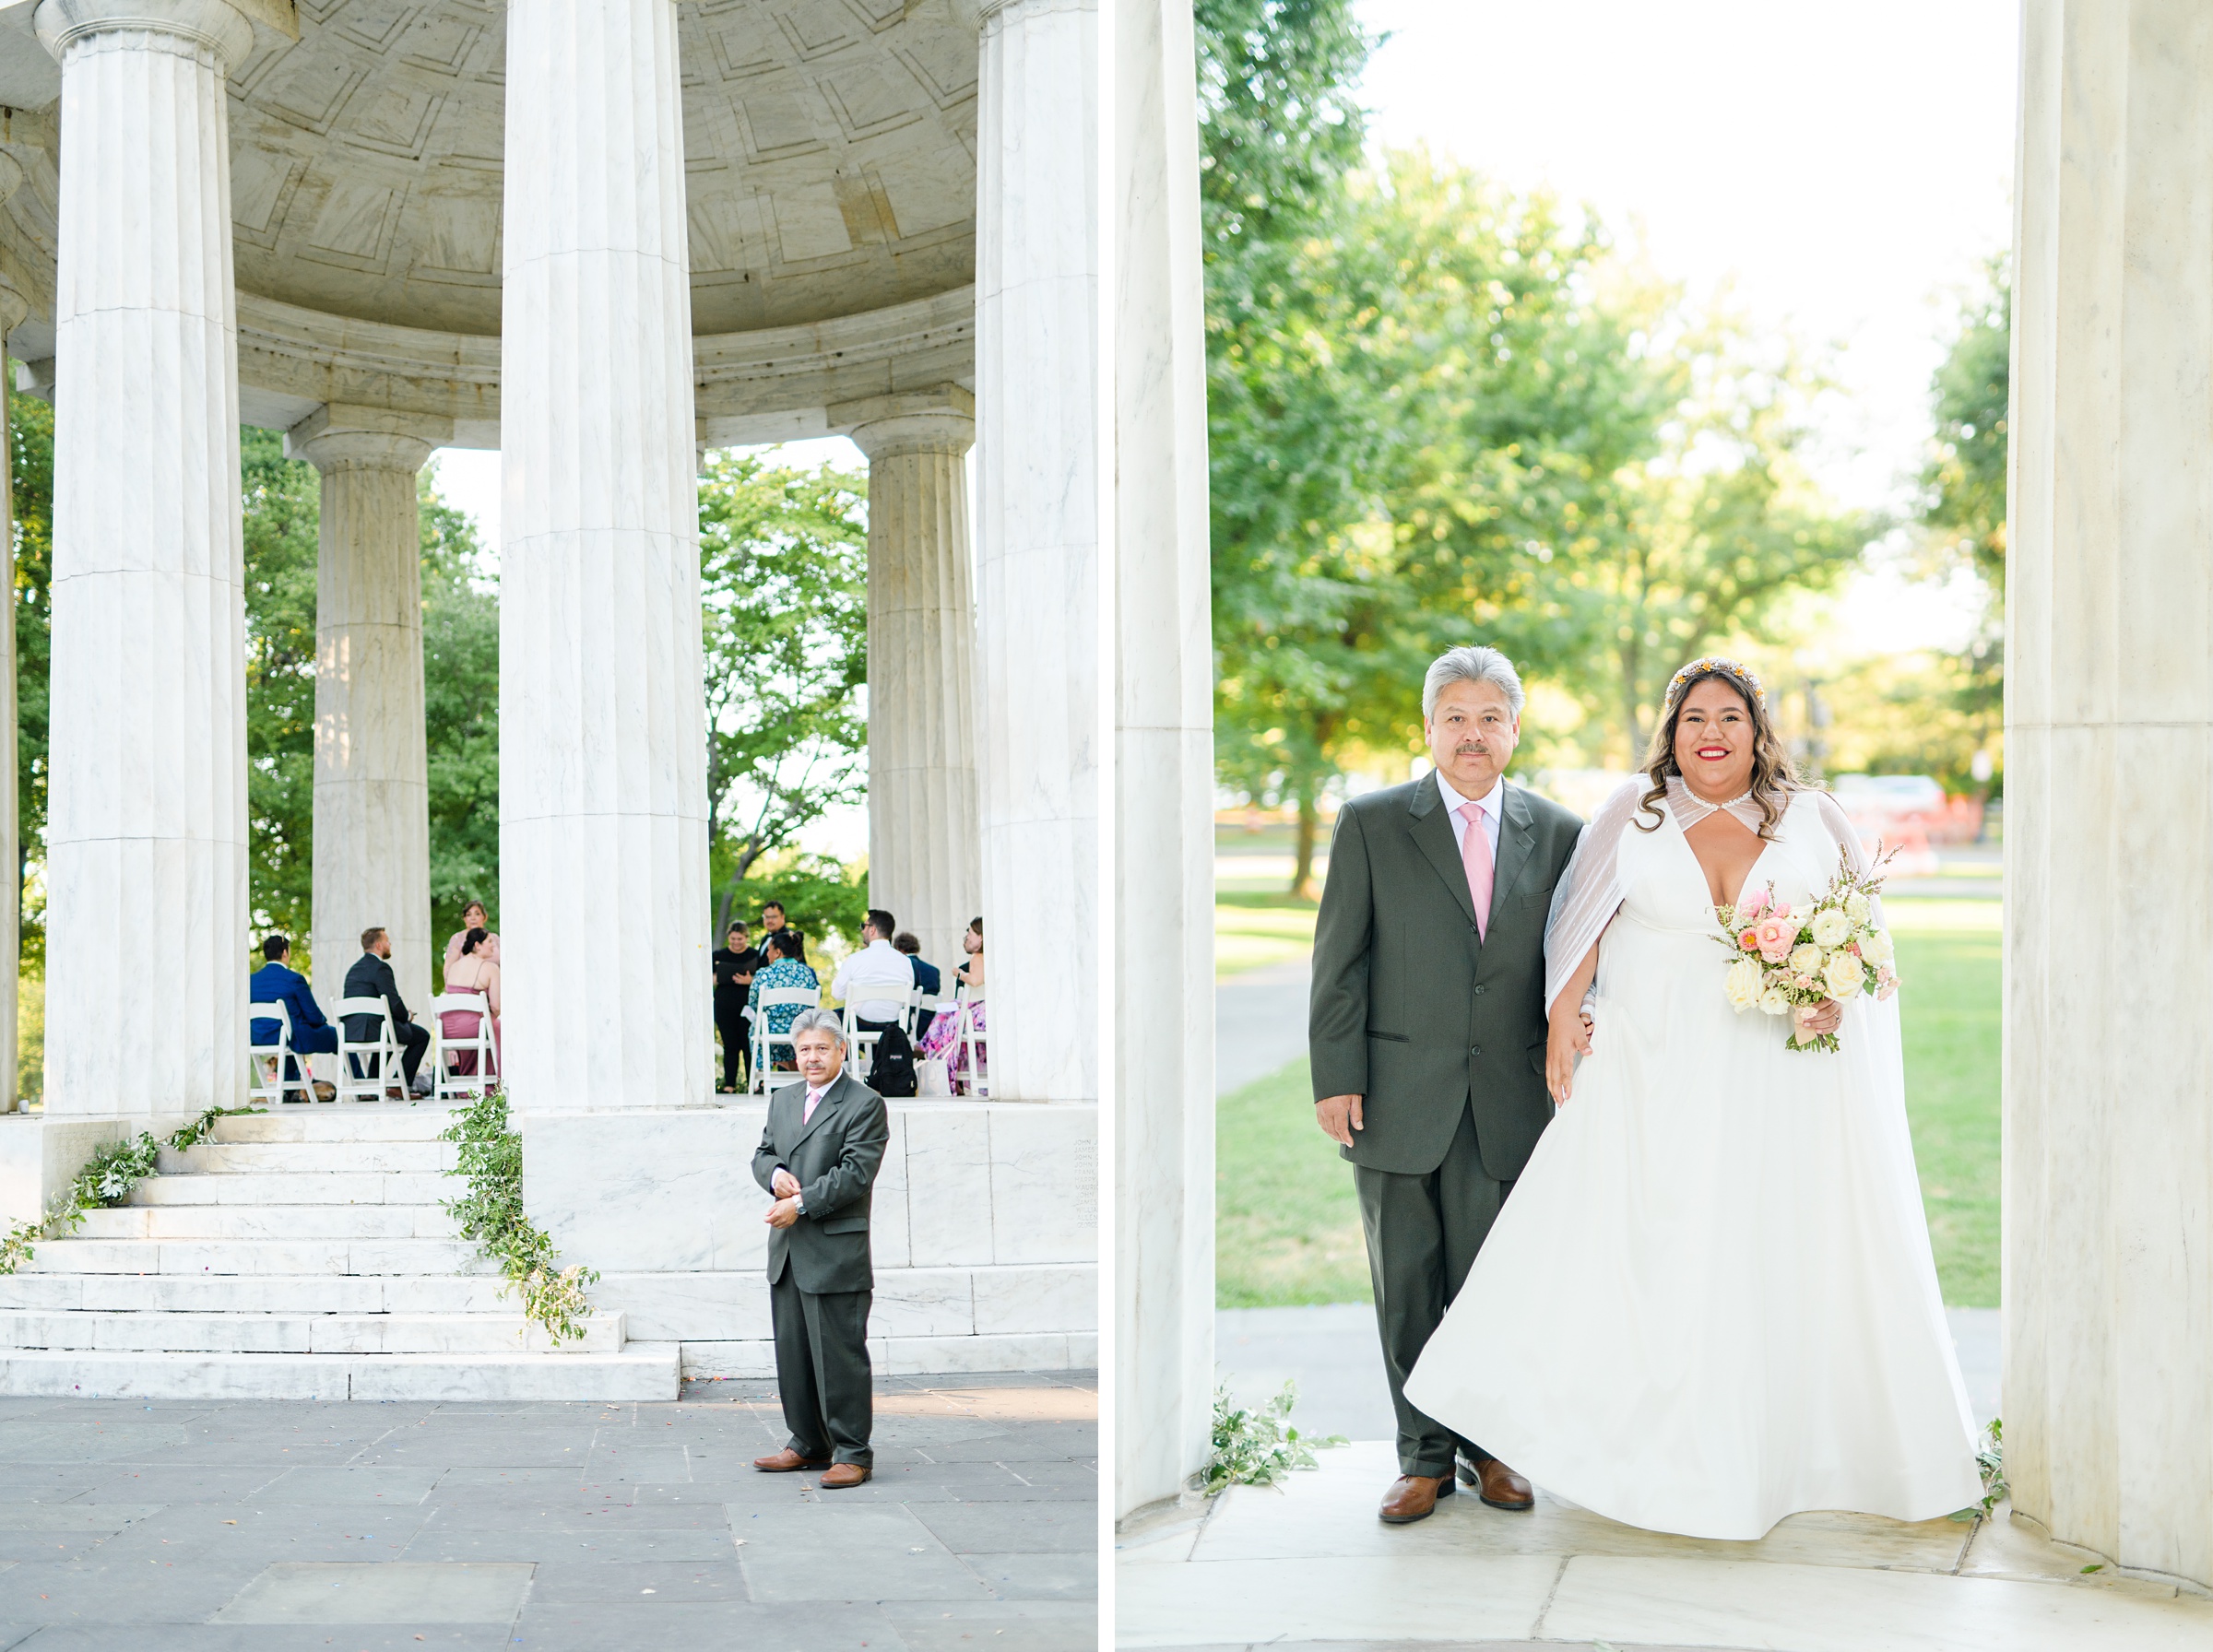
(1787, 961)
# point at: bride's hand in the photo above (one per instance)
(1822, 1019)
(1569, 1037)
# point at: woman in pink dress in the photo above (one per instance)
(475, 969)
(942, 1042)
(473, 917)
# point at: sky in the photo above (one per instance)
(1839, 172)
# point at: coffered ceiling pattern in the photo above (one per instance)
(829, 146)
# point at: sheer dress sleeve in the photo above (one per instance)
(1589, 892)
(1846, 837)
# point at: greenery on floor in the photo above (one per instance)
(1254, 930)
(1259, 1446)
(1287, 1227)
(491, 1212)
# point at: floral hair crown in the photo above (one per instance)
(1716, 663)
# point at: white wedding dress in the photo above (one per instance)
(1710, 1300)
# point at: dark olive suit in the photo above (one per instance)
(1441, 1034)
(821, 1283)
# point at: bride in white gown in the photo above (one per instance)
(1710, 1301)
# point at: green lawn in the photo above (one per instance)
(1253, 928)
(1287, 1229)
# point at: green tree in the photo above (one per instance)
(1964, 482)
(783, 592)
(31, 453)
(282, 511)
(461, 708)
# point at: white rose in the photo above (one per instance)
(1830, 927)
(1843, 977)
(1807, 960)
(1857, 908)
(1876, 948)
(1742, 984)
(1773, 1002)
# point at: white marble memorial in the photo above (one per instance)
(719, 228)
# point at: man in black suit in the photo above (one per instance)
(371, 977)
(818, 1158)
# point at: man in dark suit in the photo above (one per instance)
(818, 1158)
(277, 983)
(371, 977)
(926, 974)
(1427, 1030)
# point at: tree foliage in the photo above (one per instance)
(784, 591)
(461, 708)
(1965, 479)
(30, 456)
(282, 515)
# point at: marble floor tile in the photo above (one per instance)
(1426, 1597)
(1702, 1602)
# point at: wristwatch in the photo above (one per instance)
(798, 1203)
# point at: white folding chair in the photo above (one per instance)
(764, 1041)
(860, 1047)
(921, 1009)
(278, 1056)
(972, 1050)
(445, 1082)
(378, 1054)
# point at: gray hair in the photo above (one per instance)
(1472, 664)
(818, 1020)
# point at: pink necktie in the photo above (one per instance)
(1475, 856)
(814, 1096)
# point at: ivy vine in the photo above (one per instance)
(114, 1168)
(491, 1212)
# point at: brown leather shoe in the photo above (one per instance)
(1498, 1485)
(1412, 1497)
(842, 1476)
(787, 1461)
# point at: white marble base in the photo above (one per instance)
(39, 1156)
(643, 1371)
(912, 1356)
(984, 1226)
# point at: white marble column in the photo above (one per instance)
(1039, 596)
(603, 848)
(1164, 891)
(924, 859)
(2109, 949)
(373, 826)
(147, 799)
(12, 308)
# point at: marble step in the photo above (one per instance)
(269, 1221)
(331, 1122)
(258, 1256)
(311, 1157)
(298, 1333)
(289, 1188)
(642, 1371)
(258, 1293)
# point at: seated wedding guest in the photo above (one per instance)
(474, 974)
(371, 977)
(277, 983)
(944, 1040)
(735, 961)
(783, 970)
(772, 923)
(473, 917)
(876, 979)
(926, 974)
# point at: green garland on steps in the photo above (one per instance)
(491, 1212)
(106, 1181)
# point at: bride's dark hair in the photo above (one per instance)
(1773, 778)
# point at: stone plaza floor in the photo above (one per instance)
(1308, 1564)
(241, 1526)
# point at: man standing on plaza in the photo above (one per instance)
(818, 1158)
(1427, 1030)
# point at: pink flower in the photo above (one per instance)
(1752, 906)
(1777, 937)
(1748, 941)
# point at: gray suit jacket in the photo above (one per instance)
(835, 1156)
(1410, 1009)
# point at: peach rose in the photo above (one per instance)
(1776, 937)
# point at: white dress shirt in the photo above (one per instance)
(1490, 805)
(877, 964)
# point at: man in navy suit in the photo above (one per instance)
(275, 983)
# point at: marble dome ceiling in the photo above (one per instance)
(828, 147)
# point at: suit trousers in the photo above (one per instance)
(1423, 1234)
(823, 1370)
(731, 1022)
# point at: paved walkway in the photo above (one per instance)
(1310, 1565)
(240, 1525)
